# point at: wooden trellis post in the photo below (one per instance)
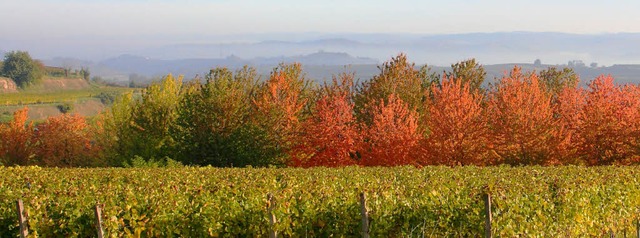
(22, 219)
(365, 216)
(487, 212)
(98, 213)
(272, 217)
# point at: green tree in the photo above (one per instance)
(468, 71)
(555, 80)
(19, 66)
(399, 77)
(85, 74)
(213, 125)
(141, 126)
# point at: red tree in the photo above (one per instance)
(458, 132)
(392, 138)
(329, 136)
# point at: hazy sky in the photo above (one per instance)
(63, 18)
(109, 27)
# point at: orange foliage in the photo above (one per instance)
(522, 121)
(329, 136)
(16, 140)
(281, 99)
(393, 137)
(457, 125)
(64, 141)
(567, 109)
(610, 120)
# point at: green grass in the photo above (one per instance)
(29, 97)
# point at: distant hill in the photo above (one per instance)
(129, 64)
(323, 55)
(444, 49)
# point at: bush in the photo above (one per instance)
(107, 98)
(139, 162)
(65, 107)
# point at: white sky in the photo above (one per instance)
(99, 29)
(68, 18)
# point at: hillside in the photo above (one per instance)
(44, 100)
(7, 85)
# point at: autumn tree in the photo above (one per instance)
(16, 140)
(522, 121)
(65, 141)
(393, 136)
(214, 122)
(568, 110)
(397, 76)
(609, 123)
(469, 72)
(329, 136)
(458, 131)
(281, 104)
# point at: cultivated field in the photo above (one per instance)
(400, 201)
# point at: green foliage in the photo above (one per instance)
(214, 124)
(19, 66)
(139, 162)
(321, 202)
(65, 107)
(107, 98)
(469, 71)
(31, 96)
(400, 77)
(142, 126)
(117, 137)
(85, 74)
(556, 80)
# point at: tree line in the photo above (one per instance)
(26, 71)
(405, 115)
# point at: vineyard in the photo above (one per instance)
(402, 201)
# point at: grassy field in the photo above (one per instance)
(43, 99)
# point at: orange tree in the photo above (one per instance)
(65, 141)
(393, 137)
(281, 104)
(329, 136)
(458, 131)
(609, 123)
(16, 140)
(522, 121)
